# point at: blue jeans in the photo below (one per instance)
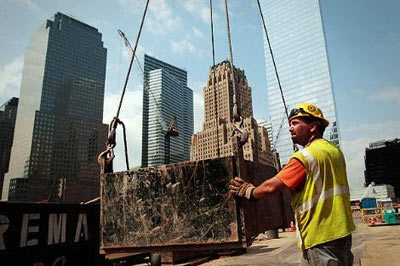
(332, 253)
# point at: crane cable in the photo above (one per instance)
(213, 79)
(139, 70)
(237, 121)
(236, 112)
(105, 158)
(295, 148)
(133, 57)
(212, 32)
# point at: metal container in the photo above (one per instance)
(185, 206)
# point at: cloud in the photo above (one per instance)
(354, 148)
(162, 20)
(198, 102)
(185, 46)
(260, 119)
(10, 78)
(101, 24)
(354, 152)
(198, 86)
(374, 131)
(197, 33)
(388, 94)
(116, 72)
(134, 6)
(140, 51)
(198, 9)
(131, 115)
(28, 4)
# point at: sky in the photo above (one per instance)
(363, 45)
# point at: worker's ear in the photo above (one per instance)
(314, 126)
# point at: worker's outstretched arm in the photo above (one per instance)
(269, 188)
(241, 188)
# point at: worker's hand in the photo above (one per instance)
(239, 187)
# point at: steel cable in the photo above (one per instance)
(295, 148)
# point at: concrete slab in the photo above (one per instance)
(281, 251)
(372, 246)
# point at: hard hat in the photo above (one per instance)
(308, 109)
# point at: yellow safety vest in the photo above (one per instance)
(322, 207)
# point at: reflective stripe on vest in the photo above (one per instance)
(321, 194)
(298, 234)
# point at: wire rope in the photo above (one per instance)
(213, 78)
(236, 112)
(132, 58)
(275, 68)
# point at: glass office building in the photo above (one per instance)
(8, 114)
(59, 130)
(165, 95)
(296, 32)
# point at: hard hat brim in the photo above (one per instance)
(325, 122)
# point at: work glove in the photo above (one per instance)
(239, 187)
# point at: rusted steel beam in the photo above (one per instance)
(166, 248)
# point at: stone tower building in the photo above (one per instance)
(215, 138)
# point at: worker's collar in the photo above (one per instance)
(313, 137)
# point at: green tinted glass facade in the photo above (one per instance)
(165, 95)
(297, 38)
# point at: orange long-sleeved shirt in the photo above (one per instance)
(293, 174)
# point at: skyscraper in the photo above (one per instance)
(59, 130)
(296, 32)
(165, 96)
(268, 126)
(215, 139)
(8, 113)
(382, 163)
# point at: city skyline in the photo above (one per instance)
(58, 129)
(363, 55)
(297, 32)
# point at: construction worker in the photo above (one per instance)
(316, 176)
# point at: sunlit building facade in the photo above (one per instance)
(296, 32)
(215, 140)
(59, 130)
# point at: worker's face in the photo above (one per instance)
(301, 131)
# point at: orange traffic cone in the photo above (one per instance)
(292, 228)
(372, 222)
